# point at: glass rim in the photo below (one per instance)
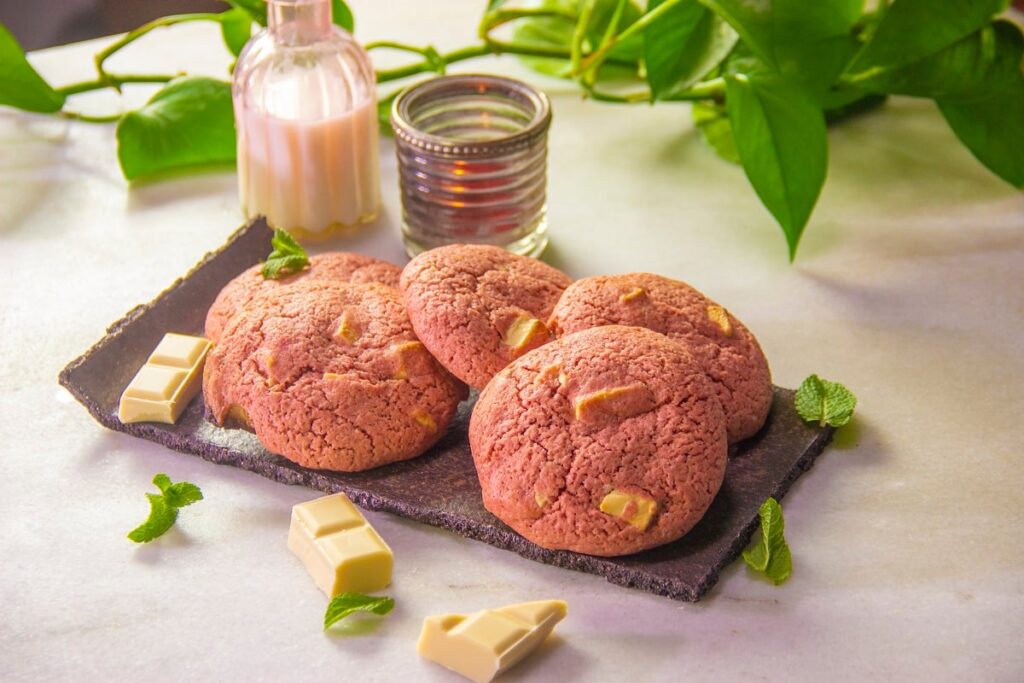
(408, 133)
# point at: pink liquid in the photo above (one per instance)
(309, 176)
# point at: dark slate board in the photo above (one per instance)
(439, 488)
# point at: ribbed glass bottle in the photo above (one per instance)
(306, 114)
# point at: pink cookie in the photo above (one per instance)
(608, 441)
(479, 307)
(331, 377)
(338, 266)
(728, 352)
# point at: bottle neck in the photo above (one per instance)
(299, 22)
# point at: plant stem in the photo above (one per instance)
(470, 52)
(500, 17)
(707, 90)
(395, 45)
(76, 116)
(636, 27)
(579, 34)
(130, 37)
(113, 81)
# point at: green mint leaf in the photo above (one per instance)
(287, 257)
(342, 15)
(162, 481)
(713, 123)
(187, 124)
(780, 136)
(161, 518)
(972, 68)
(182, 494)
(827, 403)
(257, 9)
(683, 45)
(21, 85)
(235, 28)
(163, 507)
(913, 29)
(348, 603)
(770, 555)
(809, 42)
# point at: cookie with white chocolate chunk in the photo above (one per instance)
(728, 352)
(608, 441)
(331, 377)
(479, 307)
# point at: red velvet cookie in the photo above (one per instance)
(331, 376)
(478, 307)
(728, 352)
(608, 441)
(338, 266)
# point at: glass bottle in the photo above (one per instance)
(306, 115)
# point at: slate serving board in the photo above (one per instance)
(439, 488)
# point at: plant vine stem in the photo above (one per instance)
(579, 34)
(708, 90)
(504, 16)
(74, 115)
(113, 81)
(598, 55)
(491, 47)
(395, 45)
(130, 37)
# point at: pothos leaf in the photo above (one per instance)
(557, 32)
(257, 9)
(235, 28)
(187, 124)
(683, 45)
(713, 123)
(342, 15)
(913, 29)
(780, 136)
(21, 85)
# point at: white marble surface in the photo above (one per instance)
(909, 288)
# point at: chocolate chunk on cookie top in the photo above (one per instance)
(479, 307)
(337, 266)
(607, 441)
(331, 376)
(728, 352)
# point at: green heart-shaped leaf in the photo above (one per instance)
(21, 86)
(188, 124)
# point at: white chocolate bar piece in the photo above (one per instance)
(170, 379)
(484, 644)
(341, 551)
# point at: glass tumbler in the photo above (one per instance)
(472, 163)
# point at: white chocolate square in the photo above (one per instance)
(484, 644)
(167, 382)
(341, 551)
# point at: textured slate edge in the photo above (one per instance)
(626, 571)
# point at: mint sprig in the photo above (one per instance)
(287, 258)
(349, 603)
(827, 403)
(164, 506)
(771, 555)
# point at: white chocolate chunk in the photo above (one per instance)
(341, 551)
(170, 379)
(482, 645)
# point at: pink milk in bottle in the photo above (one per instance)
(306, 115)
